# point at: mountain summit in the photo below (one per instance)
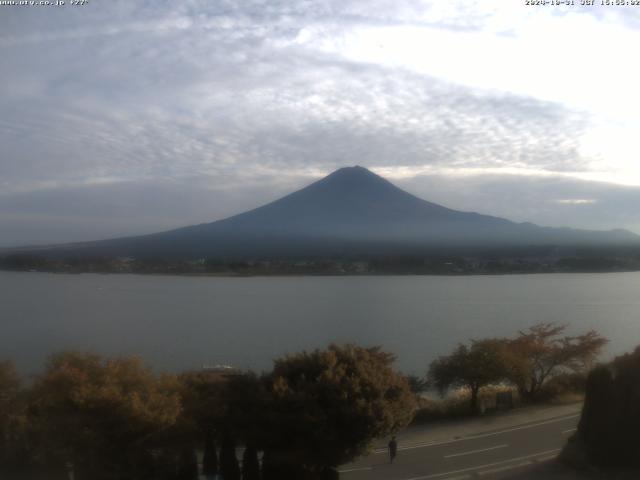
(350, 211)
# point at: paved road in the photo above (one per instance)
(486, 455)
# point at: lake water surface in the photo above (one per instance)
(177, 323)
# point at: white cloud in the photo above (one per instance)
(576, 201)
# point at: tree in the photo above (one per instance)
(250, 464)
(210, 455)
(540, 353)
(187, 463)
(246, 399)
(327, 406)
(417, 384)
(217, 403)
(597, 422)
(10, 384)
(229, 468)
(14, 455)
(202, 394)
(610, 421)
(474, 366)
(109, 410)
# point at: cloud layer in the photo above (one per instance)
(130, 117)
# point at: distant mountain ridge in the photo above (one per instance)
(350, 211)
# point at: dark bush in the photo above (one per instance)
(565, 383)
(210, 456)
(229, 468)
(610, 421)
(250, 464)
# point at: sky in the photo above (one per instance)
(130, 117)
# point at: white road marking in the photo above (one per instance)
(564, 432)
(471, 452)
(545, 458)
(355, 469)
(487, 465)
(474, 437)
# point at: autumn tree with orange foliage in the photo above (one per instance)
(102, 415)
(542, 351)
(481, 363)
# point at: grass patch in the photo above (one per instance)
(563, 389)
(457, 404)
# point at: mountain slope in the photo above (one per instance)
(351, 210)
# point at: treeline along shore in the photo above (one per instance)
(115, 418)
(540, 260)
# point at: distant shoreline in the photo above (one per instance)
(333, 275)
(491, 263)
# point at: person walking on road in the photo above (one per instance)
(393, 449)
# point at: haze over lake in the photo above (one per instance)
(177, 323)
